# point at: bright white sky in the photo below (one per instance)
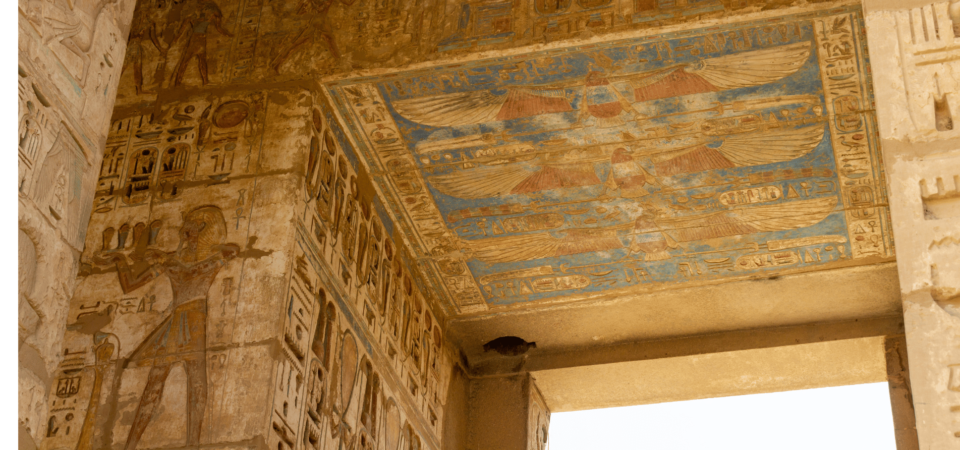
(838, 418)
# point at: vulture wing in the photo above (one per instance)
(468, 108)
(783, 216)
(544, 245)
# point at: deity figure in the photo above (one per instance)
(205, 13)
(142, 28)
(181, 337)
(318, 26)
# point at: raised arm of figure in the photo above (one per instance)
(125, 273)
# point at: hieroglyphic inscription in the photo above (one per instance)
(632, 162)
(846, 91)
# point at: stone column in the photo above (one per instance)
(915, 53)
(901, 397)
(507, 413)
(70, 55)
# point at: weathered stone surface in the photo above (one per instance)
(69, 56)
(211, 273)
(705, 155)
(717, 374)
(250, 41)
(506, 412)
(901, 395)
(302, 219)
(916, 73)
(917, 80)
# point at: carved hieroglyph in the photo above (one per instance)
(376, 368)
(238, 263)
(68, 69)
(538, 424)
(694, 157)
(917, 72)
(915, 56)
(221, 42)
(925, 205)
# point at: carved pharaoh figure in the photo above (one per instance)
(181, 337)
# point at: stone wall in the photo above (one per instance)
(240, 284)
(243, 286)
(237, 288)
(271, 40)
(917, 74)
(69, 60)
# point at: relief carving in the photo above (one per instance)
(181, 337)
(954, 386)
(191, 144)
(316, 30)
(28, 315)
(200, 16)
(37, 128)
(66, 75)
(941, 198)
(663, 187)
(58, 185)
(143, 27)
(75, 27)
(322, 37)
(642, 165)
(351, 400)
(925, 64)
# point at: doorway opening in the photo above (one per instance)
(832, 418)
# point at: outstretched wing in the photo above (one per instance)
(468, 108)
(771, 146)
(784, 216)
(753, 68)
(528, 247)
(556, 177)
(742, 150)
(513, 179)
(725, 72)
(481, 183)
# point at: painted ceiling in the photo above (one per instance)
(735, 151)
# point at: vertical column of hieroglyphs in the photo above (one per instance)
(390, 151)
(69, 56)
(846, 90)
(916, 60)
(364, 363)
